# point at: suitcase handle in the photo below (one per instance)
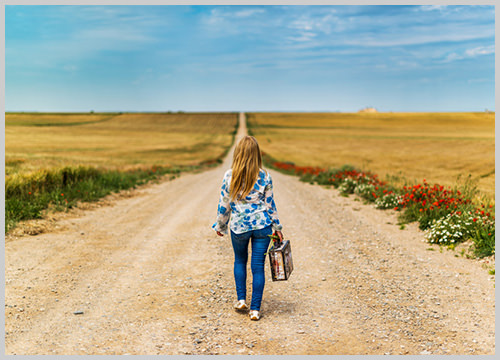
(275, 239)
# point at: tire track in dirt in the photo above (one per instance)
(151, 277)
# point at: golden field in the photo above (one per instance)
(439, 147)
(41, 140)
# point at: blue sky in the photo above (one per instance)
(249, 58)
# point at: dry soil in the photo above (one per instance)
(146, 274)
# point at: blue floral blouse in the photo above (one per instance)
(256, 211)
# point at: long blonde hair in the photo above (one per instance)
(247, 162)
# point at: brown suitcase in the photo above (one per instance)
(280, 258)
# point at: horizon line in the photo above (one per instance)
(236, 111)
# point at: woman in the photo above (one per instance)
(247, 198)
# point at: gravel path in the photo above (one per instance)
(147, 275)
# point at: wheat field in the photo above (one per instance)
(114, 140)
(440, 147)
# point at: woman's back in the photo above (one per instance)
(256, 210)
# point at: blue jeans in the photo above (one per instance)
(260, 243)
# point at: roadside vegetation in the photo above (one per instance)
(49, 163)
(448, 215)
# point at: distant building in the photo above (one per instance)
(368, 110)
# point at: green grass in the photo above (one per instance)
(27, 196)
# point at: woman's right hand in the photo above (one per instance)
(280, 235)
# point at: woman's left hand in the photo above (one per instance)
(219, 233)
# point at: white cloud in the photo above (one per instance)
(215, 17)
(304, 36)
(314, 25)
(421, 35)
(433, 7)
(218, 15)
(452, 57)
(302, 24)
(481, 80)
(107, 15)
(480, 50)
(407, 64)
(469, 53)
(116, 37)
(323, 22)
(248, 12)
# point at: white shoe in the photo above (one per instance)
(240, 305)
(254, 315)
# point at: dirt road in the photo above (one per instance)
(147, 275)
